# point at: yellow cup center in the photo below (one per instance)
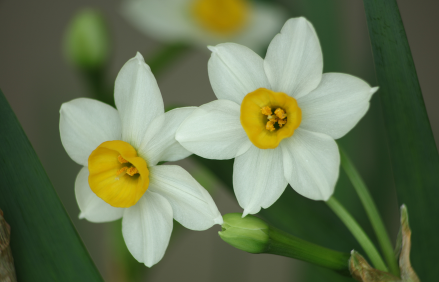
(268, 117)
(221, 16)
(117, 175)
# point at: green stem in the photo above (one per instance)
(252, 234)
(95, 80)
(165, 56)
(284, 244)
(372, 212)
(358, 233)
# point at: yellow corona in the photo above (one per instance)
(117, 174)
(268, 117)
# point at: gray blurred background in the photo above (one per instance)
(36, 80)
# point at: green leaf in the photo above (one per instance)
(413, 153)
(44, 242)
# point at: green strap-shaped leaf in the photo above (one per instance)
(44, 242)
(413, 152)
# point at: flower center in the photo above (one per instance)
(221, 16)
(264, 128)
(275, 121)
(117, 175)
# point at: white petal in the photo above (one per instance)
(84, 124)
(294, 61)
(92, 207)
(138, 99)
(311, 163)
(265, 22)
(214, 131)
(336, 105)
(258, 178)
(235, 71)
(147, 228)
(159, 143)
(192, 205)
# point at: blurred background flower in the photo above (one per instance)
(36, 80)
(206, 22)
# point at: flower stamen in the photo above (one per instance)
(280, 113)
(279, 117)
(266, 111)
(128, 170)
(121, 160)
(270, 126)
(132, 170)
(122, 170)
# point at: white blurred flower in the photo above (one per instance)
(203, 22)
(120, 149)
(278, 117)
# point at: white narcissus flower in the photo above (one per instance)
(120, 149)
(278, 117)
(203, 22)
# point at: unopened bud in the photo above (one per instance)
(253, 235)
(249, 234)
(86, 42)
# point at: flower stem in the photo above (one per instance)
(165, 56)
(358, 233)
(284, 244)
(252, 234)
(372, 212)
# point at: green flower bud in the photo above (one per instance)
(86, 42)
(253, 235)
(249, 234)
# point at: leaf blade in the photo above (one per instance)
(413, 152)
(44, 242)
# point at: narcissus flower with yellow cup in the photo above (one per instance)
(120, 149)
(203, 22)
(278, 117)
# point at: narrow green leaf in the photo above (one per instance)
(413, 152)
(44, 242)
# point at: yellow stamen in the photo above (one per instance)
(270, 125)
(132, 170)
(223, 17)
(272, 118)
(280, 113)
(123, 169)
(266, 111)
(121, 160)
(281, 122)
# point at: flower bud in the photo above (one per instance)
(253, 235)
(249, 234)
(86, 42)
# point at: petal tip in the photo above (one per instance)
(374, 89)
(212, 48)
(219, 220)
(248, 211)
(139, 57)
(81, 215)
